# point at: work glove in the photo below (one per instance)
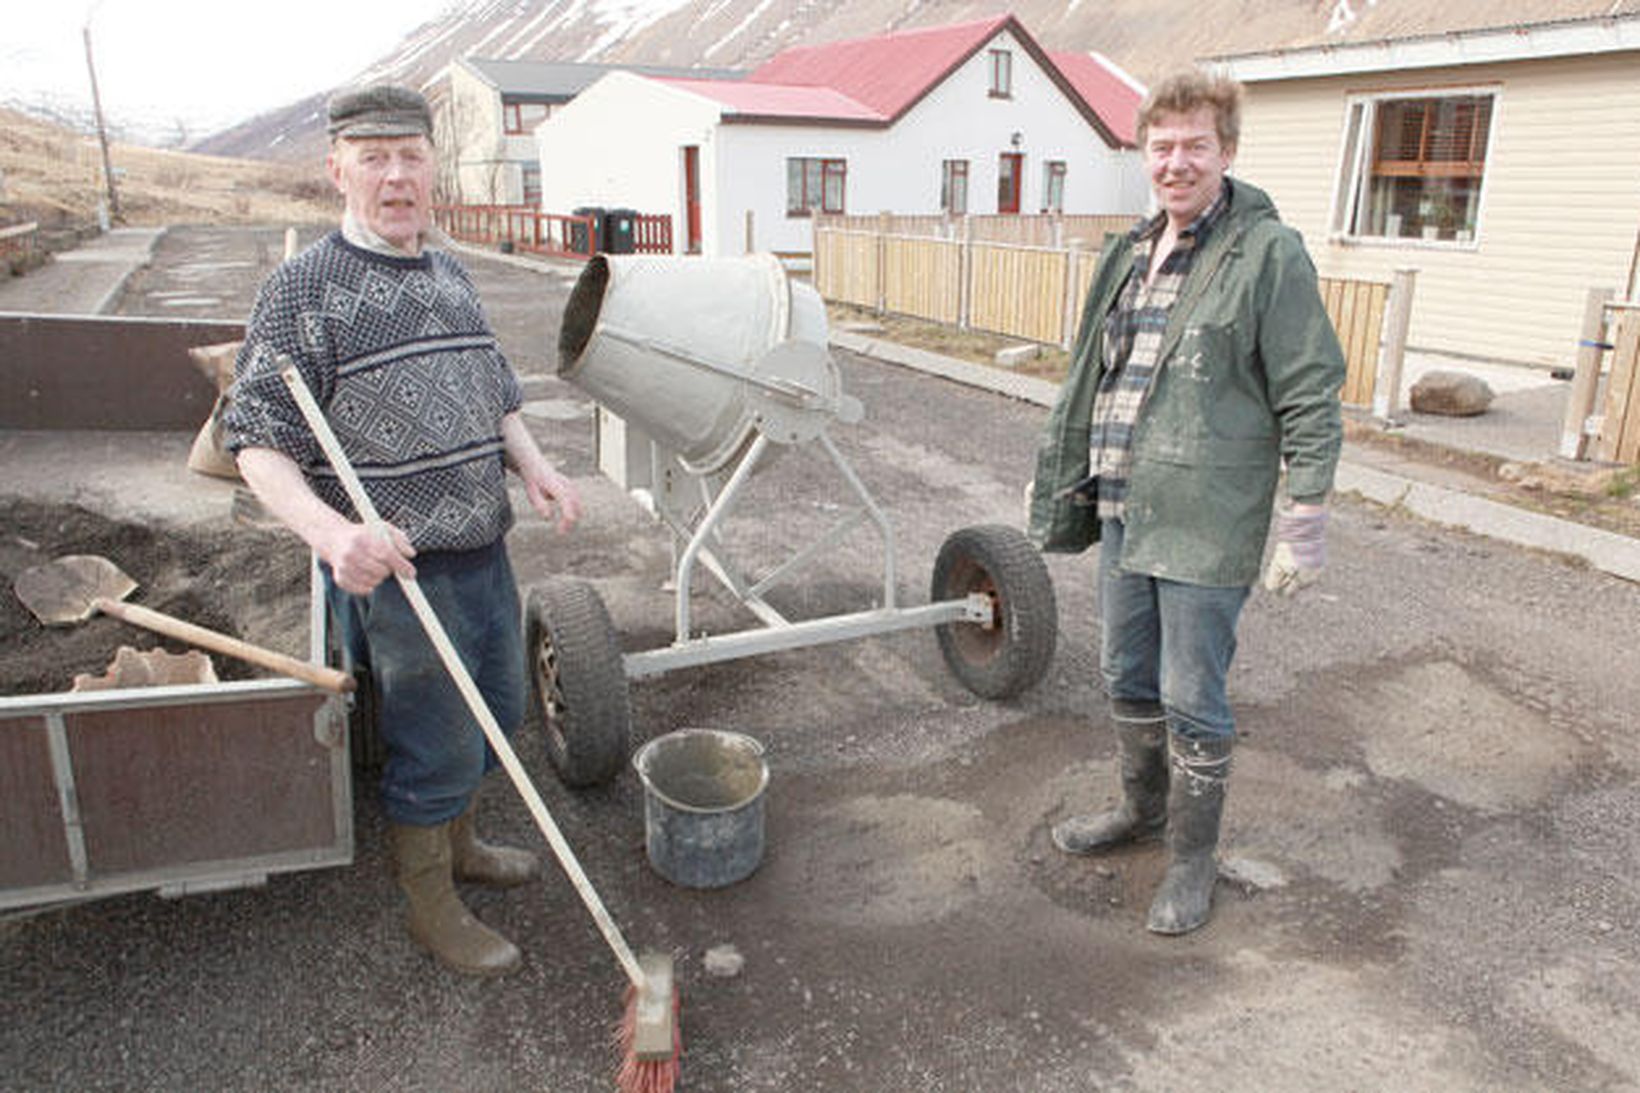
(1301, 549)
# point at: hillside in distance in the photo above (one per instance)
(1146, 37)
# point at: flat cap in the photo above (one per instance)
(385, 110)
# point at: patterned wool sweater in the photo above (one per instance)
(398, 352)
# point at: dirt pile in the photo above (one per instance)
(246, 582)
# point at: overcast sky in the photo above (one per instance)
(165, 65)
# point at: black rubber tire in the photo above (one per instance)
(579, 689)
(1012, 655)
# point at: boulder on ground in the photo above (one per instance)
(1453, 394)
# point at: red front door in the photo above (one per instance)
(1010, 168)
(691, 199)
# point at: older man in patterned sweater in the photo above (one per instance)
(389, 335)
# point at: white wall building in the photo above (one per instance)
(971, 118)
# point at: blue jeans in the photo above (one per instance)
(1166, 642)
(436, 752)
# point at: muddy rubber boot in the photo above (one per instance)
(1195, 805)
(437, 919)
(1141, 739)
(477, 862)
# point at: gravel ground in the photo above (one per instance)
(1430, 844)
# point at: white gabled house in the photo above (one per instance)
(974, 118)
(485, 112)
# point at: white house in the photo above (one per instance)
(1501, 162)
(485, 114)
(974, 117)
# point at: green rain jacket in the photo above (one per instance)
(1248, 378)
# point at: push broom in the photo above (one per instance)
(648, 1036)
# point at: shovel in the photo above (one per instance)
(71, 589)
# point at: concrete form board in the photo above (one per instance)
(92, 372)
(170, 788)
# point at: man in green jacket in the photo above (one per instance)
(1205, 362)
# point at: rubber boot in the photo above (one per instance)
(1141, 740)
(437, 919)
(477, 862)
(1195, 805)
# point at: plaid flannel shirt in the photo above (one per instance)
(1132, 337)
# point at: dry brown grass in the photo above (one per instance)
(967, 345)
(54, 176)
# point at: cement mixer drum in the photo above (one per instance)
(700, 352)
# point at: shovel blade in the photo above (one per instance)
(65, 591)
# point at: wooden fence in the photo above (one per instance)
(1609, 346)
(526, 228)
(1048, 230)
(1036, 293)
(19, 247)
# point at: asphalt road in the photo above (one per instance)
(1431, 834)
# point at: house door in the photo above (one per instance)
(1010, 168)
(691, 199)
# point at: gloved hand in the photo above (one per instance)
(1301, 549)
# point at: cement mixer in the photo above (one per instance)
(704, 371)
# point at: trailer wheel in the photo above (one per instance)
(1011, 653)
(580, 688)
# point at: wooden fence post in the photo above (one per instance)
(882, 261)
(965, 271)
(1591, 347)
(1067, 320)
(817, 268)
(1386, 398)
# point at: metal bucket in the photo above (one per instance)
(703, 805)
(670, 343)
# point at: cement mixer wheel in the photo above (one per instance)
(1011, 654)
(579, 688)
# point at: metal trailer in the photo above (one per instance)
(176, 789)
(701, 368)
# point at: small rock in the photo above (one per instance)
(724, 961)
(1016, 355)
(1251, 874)
(1451, 394)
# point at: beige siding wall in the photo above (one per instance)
(1558, 213)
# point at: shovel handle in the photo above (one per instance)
(318, 675)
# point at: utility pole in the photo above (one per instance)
(102, 133)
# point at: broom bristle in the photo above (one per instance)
(646, 1075)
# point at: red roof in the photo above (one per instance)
(1113, 96)
(887, 73)
(757, 100)
(873, 81)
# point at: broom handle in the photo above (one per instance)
(464, 683)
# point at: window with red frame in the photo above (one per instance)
(519, 118)
(815, 185)
(954, 187)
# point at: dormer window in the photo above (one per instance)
(1002, 74)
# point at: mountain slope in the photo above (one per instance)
(1147, 37)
